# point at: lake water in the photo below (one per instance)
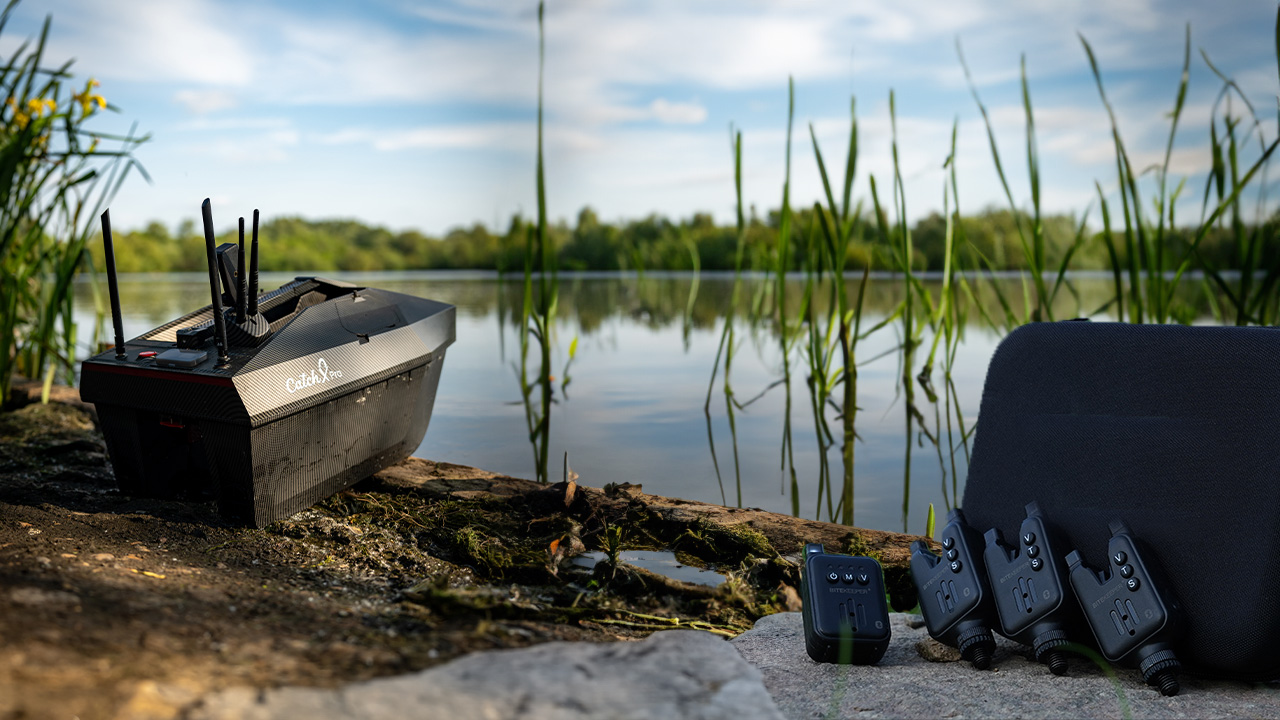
(634, 407)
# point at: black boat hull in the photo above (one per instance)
(260, 475)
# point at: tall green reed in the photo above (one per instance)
(839, 226)
(726, 346)
(897, 246)
(54, 181)
(1038, 297)
(787, 329)
(538, 309)
(1256, 249)
(1150, 257)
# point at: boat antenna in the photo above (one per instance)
(219, 322)
(242, 277)
(112, 287)
(252, 308)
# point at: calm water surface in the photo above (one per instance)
(633, 408)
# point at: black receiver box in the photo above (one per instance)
(846, 613)
(1175, 430)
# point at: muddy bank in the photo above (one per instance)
(113, 606)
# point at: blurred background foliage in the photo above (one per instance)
(651, 243)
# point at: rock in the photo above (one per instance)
(905, 685)
(148, 700)
(672, 674)
(934, 651)
(104, 557)
(35, 596)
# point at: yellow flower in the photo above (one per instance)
(37, 107)
(89, 99)
(20, 118)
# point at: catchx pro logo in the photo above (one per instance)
(321, 375)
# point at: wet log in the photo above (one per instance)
(734, 534)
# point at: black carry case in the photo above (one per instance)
(1175, 430)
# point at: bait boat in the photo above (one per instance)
(267, 402)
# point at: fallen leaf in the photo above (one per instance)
(23, 524)
(68, 555)
(149, 574)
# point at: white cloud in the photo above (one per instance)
(517, 137)
(677, 113)
(248, 149)
(235, 124)
(194, 41)
(660, 110)
(203, 102)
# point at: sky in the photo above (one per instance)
(422, 115)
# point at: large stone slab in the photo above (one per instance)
(672, 674)
(905, 685)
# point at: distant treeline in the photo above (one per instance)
(652, 243)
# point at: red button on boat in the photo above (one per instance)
(146, 354)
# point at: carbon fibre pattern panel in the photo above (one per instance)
(266, 302)
(293, 385)
(302, 459)
(154, 459)
(171, 392)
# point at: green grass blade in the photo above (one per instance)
(851, 162)
(1230, 201)
(1028, 249)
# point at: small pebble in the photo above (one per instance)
(934, 651)
(104, 557)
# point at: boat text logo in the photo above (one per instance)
(321, 375)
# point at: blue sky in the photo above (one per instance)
(421, 115)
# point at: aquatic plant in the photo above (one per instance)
(538, 308)
(726, 347)
(1148, 259)
(838, 225)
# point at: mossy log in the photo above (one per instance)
(704, 529)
